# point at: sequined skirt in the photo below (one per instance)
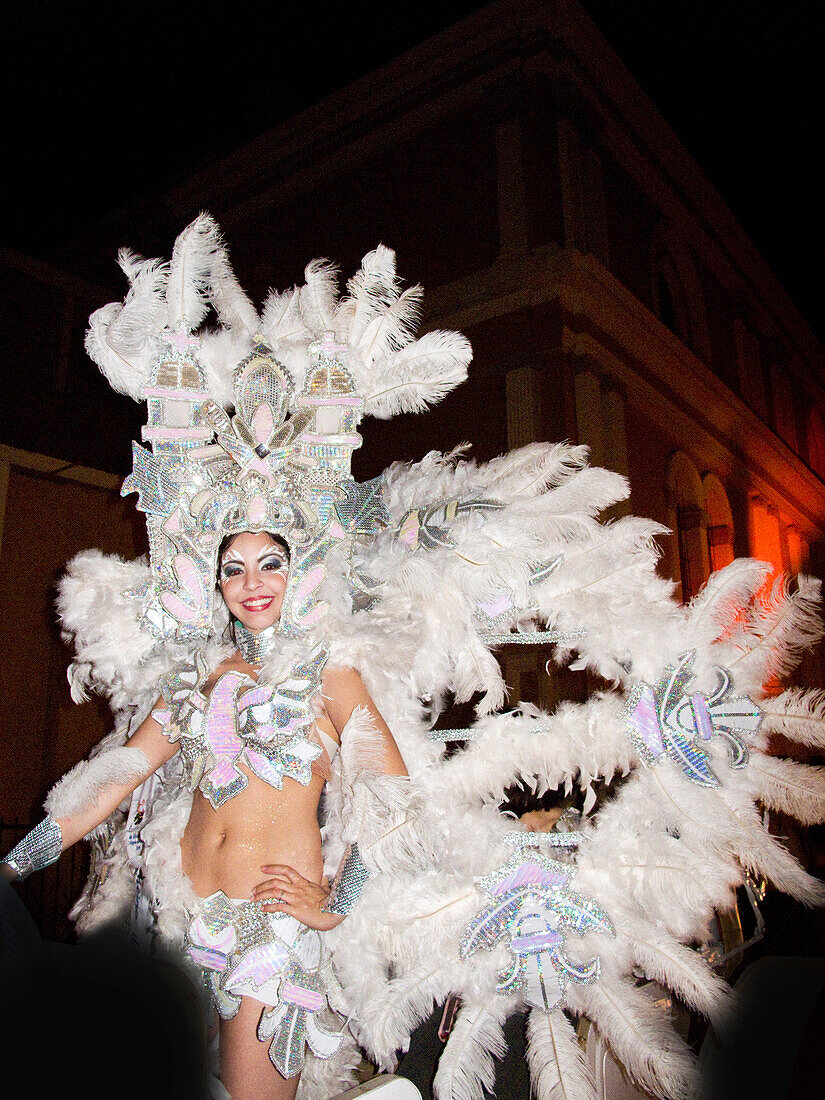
(273, 958)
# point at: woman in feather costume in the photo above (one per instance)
(256, 771)
(412, 580)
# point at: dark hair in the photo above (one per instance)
(227, 541)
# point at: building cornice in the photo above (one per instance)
(606, 323)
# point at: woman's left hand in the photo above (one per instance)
(287, 891)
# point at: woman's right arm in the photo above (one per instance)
(87, 795)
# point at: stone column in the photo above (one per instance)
(511, 192)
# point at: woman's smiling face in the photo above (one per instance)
(252, 578)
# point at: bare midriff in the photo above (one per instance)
(224, 849)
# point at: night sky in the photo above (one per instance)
(105, 102)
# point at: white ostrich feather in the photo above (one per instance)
(370, 292)
(792, 788)
(633, 860)
(281, 320)
(195, 255)
(362, 748)
(232, 305)
(639, 1034)
(130, 263)
(391, 330)
(717, 607)
(126, 372)
(782, 626)
(144, 308)
(558, 1069)
(122, 340)
(539, 749)
(104, 624)
(385, 1015)
(466, 1068)
(798, 714)
(317, 297)
(418, 375)
(530, 470)
(763, 854)
(674, 966)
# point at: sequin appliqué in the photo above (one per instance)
(665, 720)
(263, 726)
(533, 908)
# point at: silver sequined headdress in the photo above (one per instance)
(273, 452)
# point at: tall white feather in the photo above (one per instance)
(798, 714)
(466, 1067)
(393, 329)
(418, 375)
(125, 373)
(792, 788)
(232, 305)
(718, 607)
(281, 320)
(370, 292)
(783, 625)
(318, 296)
(558, 1069)
(196, 252)
(144, 308)
(639, 1034)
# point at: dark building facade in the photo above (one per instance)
(551, 214)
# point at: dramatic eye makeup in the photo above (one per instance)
(273, 560)
(230, 567)
(269, 560)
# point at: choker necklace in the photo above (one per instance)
(255, 648)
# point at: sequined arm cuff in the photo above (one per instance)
(348, 883)
(37, 849)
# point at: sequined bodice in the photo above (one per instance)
(264, 726)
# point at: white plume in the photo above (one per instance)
(558, 1069)
(782, 625)
(799, 714)
(393, 329)
(281, 320)
(317, 297)
(797, 790)
(420, 374)
(370, 292)
(232, 305)
(195, 255)
(466, 1068)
